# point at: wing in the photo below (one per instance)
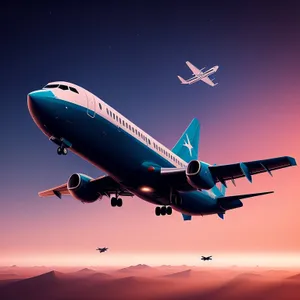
(208, 81)
(57, 191)
(247, 169)
(194, 69)
(105, 186)
(176, 177)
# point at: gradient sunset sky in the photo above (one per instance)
(128, 53)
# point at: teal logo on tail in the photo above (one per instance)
(188, 145)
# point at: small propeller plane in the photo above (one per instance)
(199, 75)
(206, 257)
(102, 249)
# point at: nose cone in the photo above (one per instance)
(37, 101)
(40, 107)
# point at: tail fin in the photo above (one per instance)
(183, 81)
(187, 146)
(244, 196)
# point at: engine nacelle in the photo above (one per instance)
(199, 176)
(80, 188)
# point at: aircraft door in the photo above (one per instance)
(91, 105)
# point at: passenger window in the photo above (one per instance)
(120, 121)
(114, 116)
(63, 87)
(129, 127)
(100, 106)
(123, 123)
(126, 125)
(107, 111)
(74, 90)
(139, 134)
(110, 113)
(117, 118)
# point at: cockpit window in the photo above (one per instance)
(73, 90)
(51, 86)
(63, 87)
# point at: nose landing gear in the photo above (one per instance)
(62, 150)
(63, 145)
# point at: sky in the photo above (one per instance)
(129, 54)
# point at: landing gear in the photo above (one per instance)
(164, 210)
(116, 202)
(62, 144)
(169, 210)
(119, 202)
(113, 201)
(62, 150)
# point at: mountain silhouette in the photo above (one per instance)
(294, 277)
(182, 274)
(136, 268)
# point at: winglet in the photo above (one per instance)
(292, 161)
(186, 217)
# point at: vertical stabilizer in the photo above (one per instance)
(187, 146)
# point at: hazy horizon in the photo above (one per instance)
(283, 260)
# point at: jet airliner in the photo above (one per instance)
(134, 162)
(199, 75)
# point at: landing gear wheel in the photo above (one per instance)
(59, 151)
(163, 211)
(157, 210)
(119, 202)
(65, 151)
(169, 210)
(113, 201)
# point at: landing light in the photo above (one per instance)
(146, 189)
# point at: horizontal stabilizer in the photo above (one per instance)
(239, 197)
(183, 81)
(186, 217)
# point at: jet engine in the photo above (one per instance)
(81, 189)
(199, 176)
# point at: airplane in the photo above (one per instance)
(199, 75)
(134, 162)
(206, 258)
(102, 249)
